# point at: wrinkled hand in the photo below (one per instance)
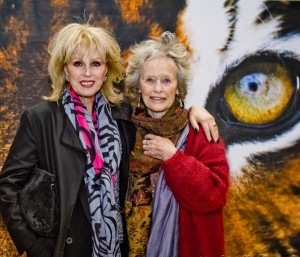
(200, 115)
(158, 147)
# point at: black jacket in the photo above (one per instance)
(47, 139)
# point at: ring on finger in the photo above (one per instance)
(214, 124)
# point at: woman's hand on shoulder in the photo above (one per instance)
(158, 147)
(200, 115)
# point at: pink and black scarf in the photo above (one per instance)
(100, 138)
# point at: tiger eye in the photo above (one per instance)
(259, 93)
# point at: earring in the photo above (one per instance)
(104, 79)
(181, 103)
(67, 78)
(139, 99)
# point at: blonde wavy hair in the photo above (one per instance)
(80, 38)
(166, 45)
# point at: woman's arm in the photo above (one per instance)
(198, 177)
(198, 114)
(16, 171)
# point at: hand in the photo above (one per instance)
(200, 115)
(158, 147)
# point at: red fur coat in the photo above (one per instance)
(198, 179)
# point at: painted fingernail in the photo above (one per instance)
(196, 130)
(218, 141)
(211, 141)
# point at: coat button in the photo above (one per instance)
(69, 240)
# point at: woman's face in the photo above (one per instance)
(158, 85)
(86, 74)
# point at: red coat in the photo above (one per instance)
(198, 179)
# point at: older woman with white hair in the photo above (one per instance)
(178, 180)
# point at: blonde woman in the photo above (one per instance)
(82, 135)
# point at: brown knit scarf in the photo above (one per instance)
(169, 126)
(144, 173)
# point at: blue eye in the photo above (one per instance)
(253, 83)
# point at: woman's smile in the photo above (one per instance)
(87, 84)
(158, 85)
(86, 75)
(157, 99)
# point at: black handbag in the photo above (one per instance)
(40, 204)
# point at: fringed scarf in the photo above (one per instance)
(164, 234)
(144, 172)
(101, 174)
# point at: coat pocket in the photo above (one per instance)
(39, 203)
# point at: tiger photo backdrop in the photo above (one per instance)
(246, 67)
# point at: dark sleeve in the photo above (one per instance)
(21, 159)
(198, 177)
